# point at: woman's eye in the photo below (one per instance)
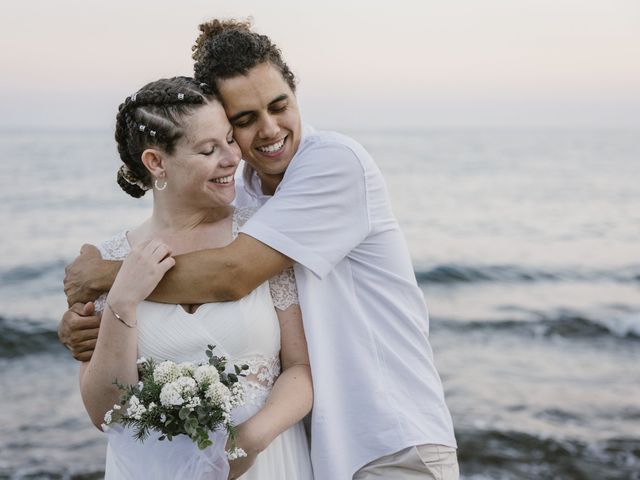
(213, 149)
(231, 141)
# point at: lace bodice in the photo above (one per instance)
(245, 331)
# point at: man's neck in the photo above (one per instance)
(270, 182)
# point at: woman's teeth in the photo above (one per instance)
(273, 147)
(223, 180)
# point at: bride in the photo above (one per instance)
(174, 138)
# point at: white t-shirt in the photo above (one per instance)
(376, 390)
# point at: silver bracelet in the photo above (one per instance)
(119, 317)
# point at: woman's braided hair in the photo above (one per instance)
(228, 48)
(154, 117)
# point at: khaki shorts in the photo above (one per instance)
(424, 462)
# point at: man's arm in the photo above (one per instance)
(215, 275)
(89, 276)
(220, 274)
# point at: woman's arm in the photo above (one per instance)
(114, 358)
(116, 349)
(292, 395)
(290, 399)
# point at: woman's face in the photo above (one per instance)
(264, 114)
(200, 170)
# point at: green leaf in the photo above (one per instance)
(202, 444)
(184, 413)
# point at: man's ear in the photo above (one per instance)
(153, 159)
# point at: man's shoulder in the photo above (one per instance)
(328, 139)
(322, 149)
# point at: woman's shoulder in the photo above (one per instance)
(116, 247)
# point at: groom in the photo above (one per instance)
(379, 409)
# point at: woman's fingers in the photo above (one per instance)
(167, 264)
(160, 252)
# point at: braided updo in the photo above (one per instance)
(154, 117)
(228, 48)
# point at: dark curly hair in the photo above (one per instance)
(153, 117)
(228, 48)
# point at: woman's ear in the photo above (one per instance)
(154, 161)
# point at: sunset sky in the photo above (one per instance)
(360, 63)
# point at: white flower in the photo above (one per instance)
(140, 386)
(206, 374)
(141, 360)
(107, 417)
(186, 368)
(193, 402)
(218, 394)
(165, 372)
(117, 407)
(237, 394)
(151, 406)
(171, 395)
(136, 409)
(236, 453)
(188, 387)
(163, 417)
(178, 391)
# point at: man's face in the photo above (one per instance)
(264, 114)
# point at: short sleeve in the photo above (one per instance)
(240, 217)
(115, 248)
(283, 289)
(319, 212)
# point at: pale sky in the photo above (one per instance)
(360, 63)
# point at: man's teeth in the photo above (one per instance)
(272, 148)
(223, 180)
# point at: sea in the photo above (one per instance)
(526, 243)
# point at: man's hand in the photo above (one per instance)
(80, 276)
(78, 330)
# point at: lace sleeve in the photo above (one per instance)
(283, 289)
(240, 217)
(283, 286)
(115, 248)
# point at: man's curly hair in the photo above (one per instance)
(228, 48)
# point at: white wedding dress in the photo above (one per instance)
(246, 332)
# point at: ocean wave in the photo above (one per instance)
(623, 325)
(24, 337)
(452, 273)
(511, 454)
(30, 272)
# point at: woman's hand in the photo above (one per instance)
(250, 442)
(140, 273)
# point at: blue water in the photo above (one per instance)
(526, 244)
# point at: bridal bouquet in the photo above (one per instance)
(181, 399)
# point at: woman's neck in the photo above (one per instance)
(175, 219)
